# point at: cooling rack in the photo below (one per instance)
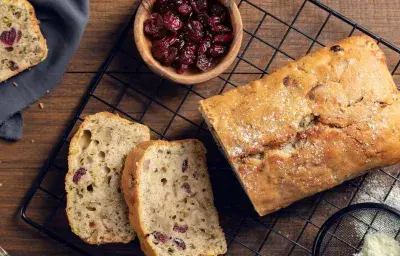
(170, 110)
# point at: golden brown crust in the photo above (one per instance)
(36, 27)
(310, 125)
(35, 23)
(131, 174)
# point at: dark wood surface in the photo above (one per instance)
(21, 161)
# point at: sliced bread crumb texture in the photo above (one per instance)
(95, 207)
(168, 191)
(21, 43)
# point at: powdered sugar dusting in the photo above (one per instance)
(394, 197)
(375, 188)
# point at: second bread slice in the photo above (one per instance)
(168, 192)
(96, 209)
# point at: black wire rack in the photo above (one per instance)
(170, 111)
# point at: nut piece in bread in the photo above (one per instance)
(169, 195)
(96, 210)
(22, 45)
(310, 125)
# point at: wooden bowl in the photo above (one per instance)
(143, 45)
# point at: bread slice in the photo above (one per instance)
(96, 209)
(22, 45)
(169, 195)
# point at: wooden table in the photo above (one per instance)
(21, 161)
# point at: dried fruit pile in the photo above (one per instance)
(189, 33)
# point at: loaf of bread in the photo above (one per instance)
(22, 45)
(168, 191)
(96, 209)
(310, 125)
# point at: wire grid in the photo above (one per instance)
(354, 223)
(290, 231)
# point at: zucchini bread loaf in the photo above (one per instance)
(311, 125)
(96, 209)
(168, 191)
(21, 43)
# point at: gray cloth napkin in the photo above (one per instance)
(62, 23)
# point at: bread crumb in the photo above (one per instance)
(41, 105)
(1, 184)
(15, 84)
(47, 91)
(32, 141)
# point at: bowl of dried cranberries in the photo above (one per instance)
(188, 41)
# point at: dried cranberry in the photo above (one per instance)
(159, 49)
(336, 48)
(154, 24)
(9, 49)
(203, 47)
(214, 21)
(188, 55)
(180, 229)
(171, 55)
(180, 243)
(185, 165)
(203, 62)
(187, 188)
(78, 175)
(218, 10)
(8, 37)
(172, 22)
(163, 51)
(181, 68)
(185, 9)
(220, 28)
(193, 31)
(198, 5)
(217, 50)
(223, 39)
(204, 19)
(160, 237)
(197, 25)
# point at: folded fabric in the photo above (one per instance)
(12, 128)
(62, 24)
